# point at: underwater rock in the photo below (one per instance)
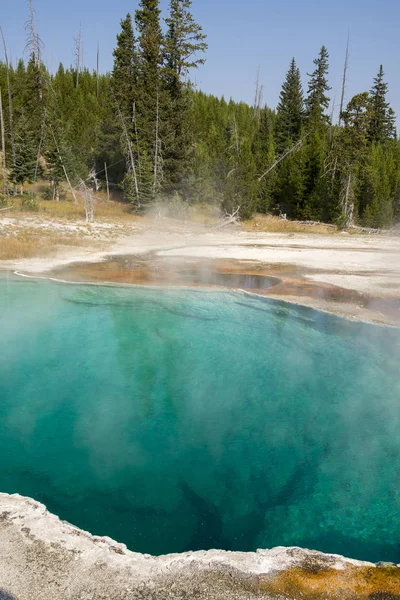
(45, 558)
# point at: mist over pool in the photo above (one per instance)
(176, 420)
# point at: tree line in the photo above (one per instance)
(156, 136)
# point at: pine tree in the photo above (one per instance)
(123, 77)
(54, 170)
(25, 155)
(265, 155)
(381, 126)
(290, 110)
(317, 100)
(315, 147)
(183, 42)
(151, 99)
(379, 185)
(350, 151)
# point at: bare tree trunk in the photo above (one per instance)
(34, 45)
(88, 201)
(34, 41)
(3, 149)
(97, 71)
(10, 106)
(281, 158)
(108, 187)
(348, 204)
(78, 53)
(346, 64)
(137, 139)
(258, 95)
(157, 150)
(42, 133)
(347, 194)
(130, 154)
(235, 130)
(63, 167)
(334, 172)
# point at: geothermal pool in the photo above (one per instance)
(175, 419)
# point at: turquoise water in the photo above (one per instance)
(175, 419)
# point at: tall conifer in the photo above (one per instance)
(123, 74)
(317, 100)
(183, 45)
(381, 125)
(290, 110)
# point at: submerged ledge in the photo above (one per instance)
(282, 281)
(44, 557)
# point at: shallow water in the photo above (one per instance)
(175, 420)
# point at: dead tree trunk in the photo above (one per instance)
(131, 162)
(42, 134)
(78, 54)
(346, 64)
(63, 167)
(88, 201)
(137, 139)
(108, 187)
(348, 204)
(97, 71)
(34, 46)
(10, 106)
(258, 96)
(281, 158)
(3, 149)
(235, 131)
(33, 37)
(157, 152)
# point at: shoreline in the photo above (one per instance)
(66, 562)
(356, 277)
(295, 301)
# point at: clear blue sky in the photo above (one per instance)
(242, 36)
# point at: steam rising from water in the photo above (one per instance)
(175, 420)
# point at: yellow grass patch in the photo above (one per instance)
(29, 244)
(272, 224)
(67, 210)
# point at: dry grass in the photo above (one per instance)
(273, 224)
(29, 244)
(66, 209)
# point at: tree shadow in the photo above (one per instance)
(5, 595)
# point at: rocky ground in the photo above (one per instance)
(43, 558)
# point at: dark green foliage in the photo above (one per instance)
(264, 150)
(290, 110)
(317, 100)
(162, 139)
(123, 78)
(183, 45)
(25, 154)
(183, 42)
(382, 119)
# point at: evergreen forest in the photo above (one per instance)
(155, 136)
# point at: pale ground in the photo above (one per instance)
(43, 558)
(368, 264)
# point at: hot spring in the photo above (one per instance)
(176, 420)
